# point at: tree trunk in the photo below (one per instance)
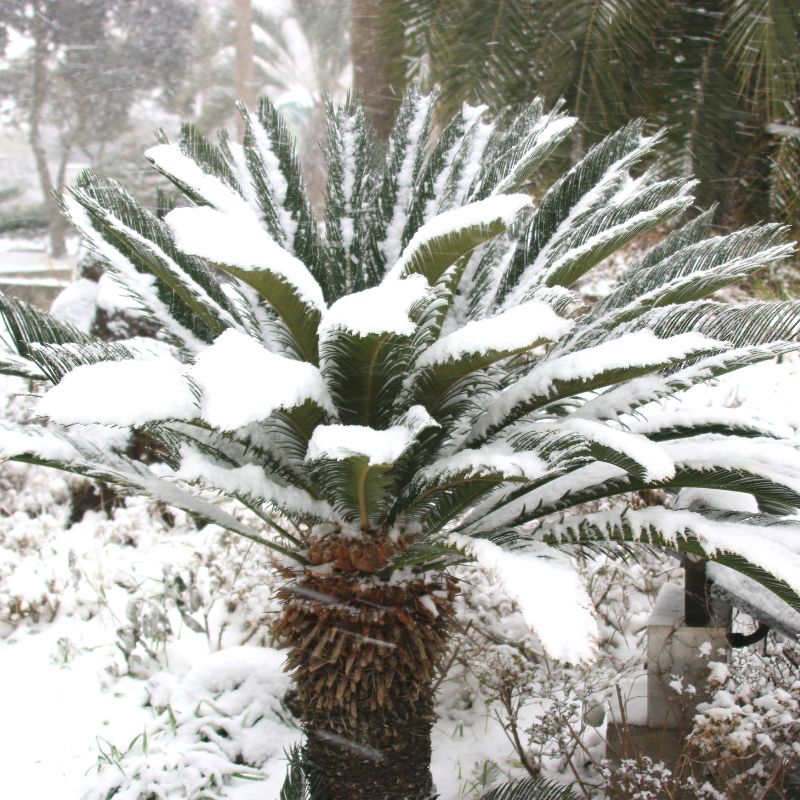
(57, 228)
(377, 43)
(363, 653)
(244, 64)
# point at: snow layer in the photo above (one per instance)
(249, 480)
(76, 304)
(516, 329)
(549, 594)
(638, 349)
(338, 442)
(238, 240)
(242, 382)
(129, 392)
(654, 459)
(492, 459)
(383, 309)
(170, 159)
(503, 207)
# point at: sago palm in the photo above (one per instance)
(413, 384)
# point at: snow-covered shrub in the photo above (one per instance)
(217, 727)
(415, 384)
(748, 733)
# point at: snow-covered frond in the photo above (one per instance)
(365, 348)
(447, 237)
(629, 214)
(765, 552)
(242, 382)
(351, 156)
(56, 360)
(498, 460)
(776, 463)
(20, 367)
(584, 189)
(646, 460)
(250, 481)
(633, 394)
(353, 464)
(27, 325)
(72, 453)
(479, 344)
(201, 171)
(659, 424)
(239, 246)
(629, 356)
(152, 298)
(691, 273)
(277, 180)
(449, 169)
(397, 189)
(539, 579)
(514, 154)
(756, 323)
(145, 241)
(125, 392)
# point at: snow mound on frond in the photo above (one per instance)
(242, 382)
(129, 392)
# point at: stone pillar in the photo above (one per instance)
(673, 653)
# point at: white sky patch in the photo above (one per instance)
(549, 593)
(170, 159)
(383, 309)
(653, 458)
(491, 459)
(242, 382)
(239, 241)
(503, 207)
(249, 479)
(129, 392)
(338, 442)
(519, 327)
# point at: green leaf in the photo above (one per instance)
(530, 789)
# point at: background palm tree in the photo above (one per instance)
(417, 386)
(717, 74)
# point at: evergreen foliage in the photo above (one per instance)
(424, 365)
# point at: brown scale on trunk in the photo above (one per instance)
(363, 654)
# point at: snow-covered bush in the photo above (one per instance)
(416, 384)
(217, 727)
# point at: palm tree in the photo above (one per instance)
(716, 73)
(417, 386)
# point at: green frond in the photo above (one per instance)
(530, 789)
(273, 168)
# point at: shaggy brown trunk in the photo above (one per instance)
(377, 39)
(363, 654)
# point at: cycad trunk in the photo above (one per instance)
(363, 653)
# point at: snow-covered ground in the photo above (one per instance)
(134, 646)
